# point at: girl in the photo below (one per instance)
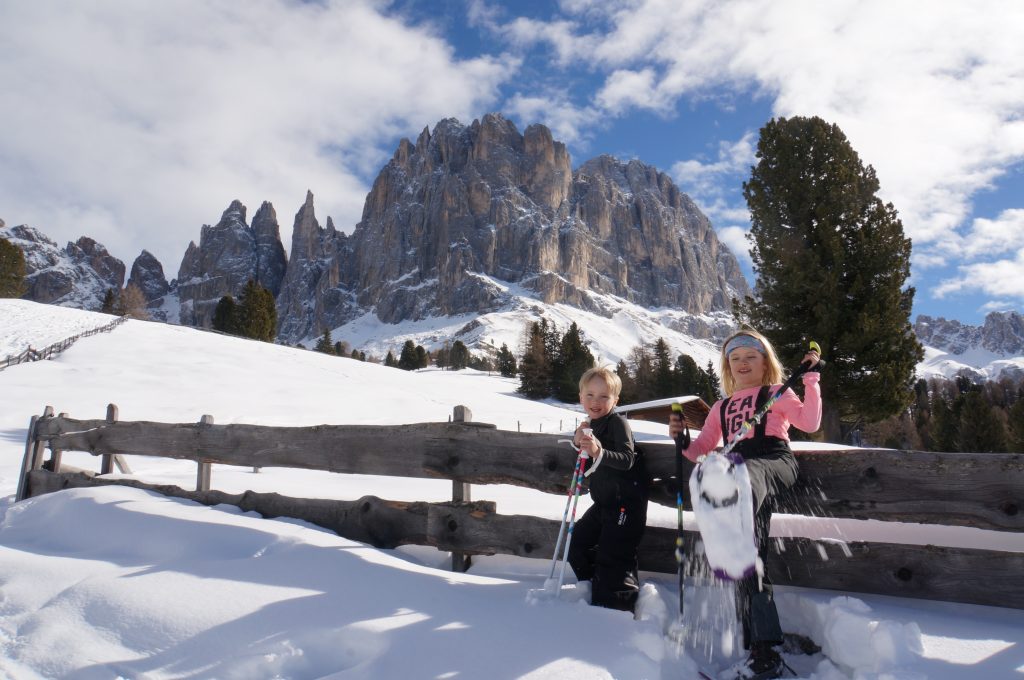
(750, 375)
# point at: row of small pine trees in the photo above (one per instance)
(956, 415)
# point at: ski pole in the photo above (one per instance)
(753, 420)
(583, 457)
(682, 443)
(565, 516)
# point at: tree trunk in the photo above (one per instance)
(830, 424)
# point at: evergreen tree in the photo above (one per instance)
(507, 362)
(325, 344)
(257, 313)
(422, 357)
(341, 348)
(407, 360)
(441, 356)
(981, 431)
(225, 316)
(944, 432)
(459, 357)
(711, 390)
(110, 302)
(643, 373)
(574, 359)
(628, 393)
(664, 382)
(534, 369)
(1015, 420)
(390, 360)
(12, 270)
(686, 377)
(832, 263)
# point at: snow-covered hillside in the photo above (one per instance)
(611, 334)
(117, 582)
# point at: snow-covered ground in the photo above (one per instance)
(116, 582)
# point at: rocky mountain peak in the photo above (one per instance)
(79, 275)
(1002, 334)
(228, 255)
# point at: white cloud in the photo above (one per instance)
(933, 99)
(568, 123)
(705, 181)
(992, 237)
(1000, 278)
(736, 239)
(997, 306)
(135, 124)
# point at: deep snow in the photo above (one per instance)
(116, 582)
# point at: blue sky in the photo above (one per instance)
(136, 124)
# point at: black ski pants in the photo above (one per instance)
(773, 469)
(604, 551)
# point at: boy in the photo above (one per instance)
(604, 543)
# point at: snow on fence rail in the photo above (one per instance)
(56, 348)
(956, 489)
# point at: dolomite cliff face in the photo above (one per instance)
(463, 212)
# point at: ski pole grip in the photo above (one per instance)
(814, 346)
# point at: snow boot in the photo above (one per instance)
(763, 663)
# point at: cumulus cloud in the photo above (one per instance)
(705, 180)
(736, 239)
(933, 99)
(136, 124)
(1000, 278)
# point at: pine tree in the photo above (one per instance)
(980, 430)
(945, 428)
(686, 377)
(390, 360)
(534, 369)
(225, 316)
(643, 373)
(407, 360)
(832, 264)
(441, 356)
(459, 357)
(664, 382)
(628, 393)
(12, 270)
(325, 344)
(711, 390)
(422, 357)
(507, 362)
(574, 359)
(109, 301)
(257, 313)
(1015, 418)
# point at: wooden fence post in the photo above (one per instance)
(26, 463)
(205, 468)
(461, 492)
(107, 461)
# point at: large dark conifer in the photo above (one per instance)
(832, 263)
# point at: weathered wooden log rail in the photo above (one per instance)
(970, 490)
(56, 348)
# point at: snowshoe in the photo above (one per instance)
(723, 504)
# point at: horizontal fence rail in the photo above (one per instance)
(56, 348)
(958, 489)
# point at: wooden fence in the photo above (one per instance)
(56, 348)
(956, 489)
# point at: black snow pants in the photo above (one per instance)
(604, 547)
(773, 469)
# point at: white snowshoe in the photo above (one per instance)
(723, 504)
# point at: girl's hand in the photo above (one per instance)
(675, 425)
(811, 358)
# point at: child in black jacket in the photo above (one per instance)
(605, 540)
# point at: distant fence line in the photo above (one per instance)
(56, 348)
(955, 489)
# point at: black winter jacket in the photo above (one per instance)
(621, 473)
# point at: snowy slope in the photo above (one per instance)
(121, 583)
